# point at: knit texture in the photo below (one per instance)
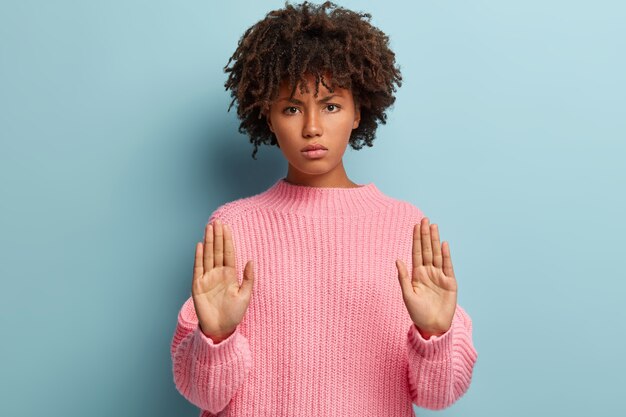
(326, 332)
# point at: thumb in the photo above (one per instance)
(248, 280)
(403, 277)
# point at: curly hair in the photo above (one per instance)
(304, 39)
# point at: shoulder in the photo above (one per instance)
(230, 211)
(406, 208)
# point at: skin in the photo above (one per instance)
(220, 302)
(429, 292)
(306, 119)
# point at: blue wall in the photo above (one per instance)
(509, 132)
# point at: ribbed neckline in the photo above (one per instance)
(323, 201)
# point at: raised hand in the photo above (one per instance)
(219, 301)
(430, 293)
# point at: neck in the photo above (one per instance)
(321, 183)
(336, 178)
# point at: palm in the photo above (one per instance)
(433, 296)
(430, 293)
(217, 282)
(220, 302)
(218, 298)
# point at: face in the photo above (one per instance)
(325, 120)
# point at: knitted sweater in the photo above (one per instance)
(326, 332)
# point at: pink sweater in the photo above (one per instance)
(326, 332)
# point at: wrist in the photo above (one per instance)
(216, 337)
(427, 333)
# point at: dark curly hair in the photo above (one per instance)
(303, 39)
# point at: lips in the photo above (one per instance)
(316, 154)
(312, 147)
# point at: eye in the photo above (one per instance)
(334, 108)
(287, 110)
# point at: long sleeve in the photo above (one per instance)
(321, 274)
(440, 368)
(205, 373)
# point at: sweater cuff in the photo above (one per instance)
(213, 353)
(205, 349)
(436, 348)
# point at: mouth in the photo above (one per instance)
(313, 148)
(314, 153)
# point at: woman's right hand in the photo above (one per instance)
(219, 301)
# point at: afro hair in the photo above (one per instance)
(312, 39)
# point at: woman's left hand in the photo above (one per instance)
(430, 295)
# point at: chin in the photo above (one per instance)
(314, 168)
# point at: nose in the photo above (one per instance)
(312, 125)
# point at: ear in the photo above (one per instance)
(265, 113)
(357, 116)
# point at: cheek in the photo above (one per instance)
(282, 125)
(289, 134)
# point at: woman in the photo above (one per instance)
(326, 319)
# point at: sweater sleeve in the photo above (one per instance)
(440, 368)
(205, 373)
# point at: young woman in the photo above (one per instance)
(319, 296)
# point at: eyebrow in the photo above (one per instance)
(296, 101)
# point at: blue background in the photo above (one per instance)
(509, 132)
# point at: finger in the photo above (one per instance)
(218, 244)
(229, 250)
(403, 277)
(427, 251)
(208, 247)
(248, 280)
(447, 260)
(417, 246)
(434, 233)
(198, 267)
